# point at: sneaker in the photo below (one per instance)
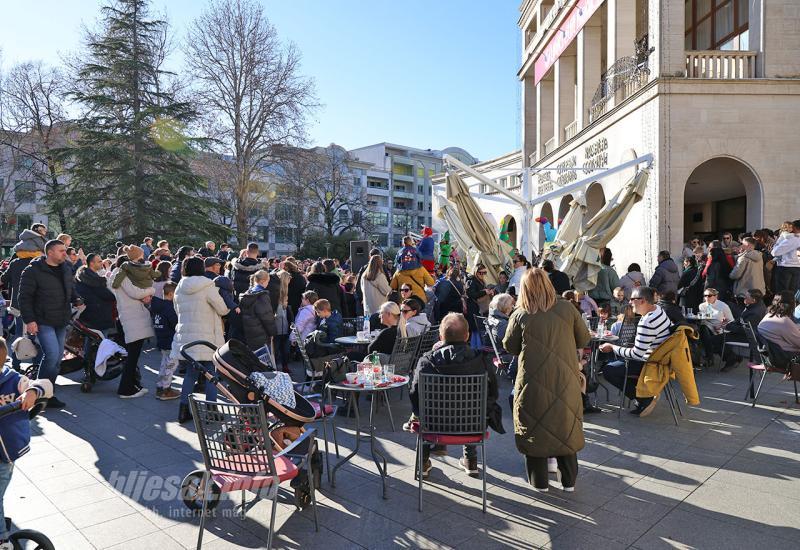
(552, 466)
(541, 489)
(569, 489)
(166, 394)
(139, 393)
(55, 403)
(470, 465)
(439, 450)
(411, 421)
(645, 406)
(426, 469)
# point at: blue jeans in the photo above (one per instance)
(6, 469)
(51, 339)
(190, 378)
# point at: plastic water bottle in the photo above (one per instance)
(366, 327)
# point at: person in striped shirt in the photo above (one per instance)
(653, 328)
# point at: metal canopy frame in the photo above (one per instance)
(527, 205)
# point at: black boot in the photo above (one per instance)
(184, 413)
(588, 408)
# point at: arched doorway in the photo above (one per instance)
(595, 200)
(563, 207)
(510, 227)
(546, 212)
(721, 195)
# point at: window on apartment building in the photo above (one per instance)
(356, 180)
(24, 221)
(400, 204)
(431, 172)
(397, 241)
(420, 205)
(262, 233)
(383, 239)
(25, 191)
(378, 219)
(420, 189)
(402, 169)
(377, 184)
(400, 187)
(717, 24)
(283, 212)
(482, 188)
(402, 221)
(357, 217)
(421, 221)
(283, 234)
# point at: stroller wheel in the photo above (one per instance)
(192, 491)
(86, 387)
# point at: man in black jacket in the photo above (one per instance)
(754, 310)
(559, 279)
(243, 269)
(10, 281)
(455, 357)
(45, 298)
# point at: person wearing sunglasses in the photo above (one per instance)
(414, 279)
(416, 320)
(478, 297)
(716, 315)
(652, 330)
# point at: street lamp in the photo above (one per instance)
(327, 250)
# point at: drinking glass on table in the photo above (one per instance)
(388, 373)
(377, 373)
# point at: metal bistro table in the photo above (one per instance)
(357, 389)
(352, 341)
(594, 346)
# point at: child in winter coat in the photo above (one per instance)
(305, 321)
(15, 429)
(408, 257)
(162, 311)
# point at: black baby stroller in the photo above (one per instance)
(74, 357)
(241, 378)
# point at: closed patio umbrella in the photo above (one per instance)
(580, 259)
(492, 252)
(569, 228)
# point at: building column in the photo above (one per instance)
(564, 96)
(621, 32)
(544, 110)
(666, 30)
(529, 118)
(589, 71)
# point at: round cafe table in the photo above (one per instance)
(351, 341)
(356, 389)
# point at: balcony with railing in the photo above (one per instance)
(719, 64)
(570, 130)
(549, 146)
(623, 79)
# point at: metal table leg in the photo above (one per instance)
(375, 452)
(352, 401)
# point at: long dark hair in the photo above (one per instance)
(718, 257)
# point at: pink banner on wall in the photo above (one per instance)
(565, 34)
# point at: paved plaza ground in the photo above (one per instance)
(727, 477)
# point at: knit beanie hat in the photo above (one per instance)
(135, 253)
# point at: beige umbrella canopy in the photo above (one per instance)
(580, 259)
(569, 228)
(492, 252)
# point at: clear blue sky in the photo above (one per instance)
(429, 74)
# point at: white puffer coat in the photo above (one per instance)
(133, 314)
(200, 309)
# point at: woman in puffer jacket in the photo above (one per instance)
(200, 309)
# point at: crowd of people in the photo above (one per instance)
(171, 296)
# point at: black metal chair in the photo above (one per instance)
(452, 411)
(238, 456)
(768, 361)
(427, 341)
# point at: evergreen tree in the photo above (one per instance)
(129, 157)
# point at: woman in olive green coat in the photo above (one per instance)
(546, 332)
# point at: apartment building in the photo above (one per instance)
(709, 88)
(398, 184)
